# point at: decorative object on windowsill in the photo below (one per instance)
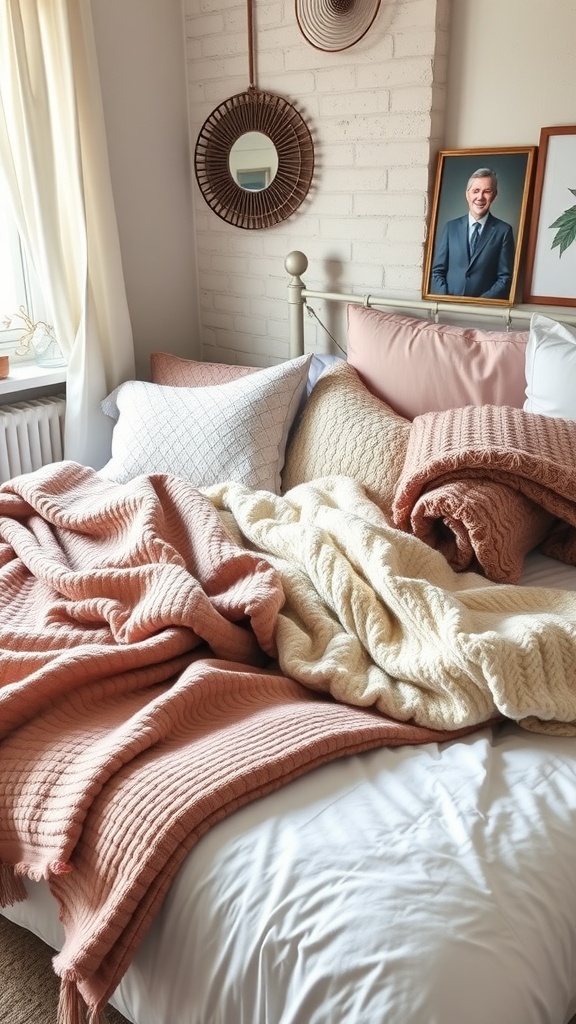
(4, 367)
(334, 25)
(37, 338)
(261, 140)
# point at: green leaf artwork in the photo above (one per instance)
(566, 224)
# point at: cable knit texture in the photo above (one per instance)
(138, 705)
(346, 431)
(486, 484)
(377, 618)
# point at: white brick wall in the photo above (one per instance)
(375, 112)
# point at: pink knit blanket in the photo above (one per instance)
(138, 703)
(486, 484)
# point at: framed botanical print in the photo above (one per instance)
(551, 254)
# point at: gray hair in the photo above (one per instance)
(484, 172)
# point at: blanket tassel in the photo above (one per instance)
(71, 1007)
(12, 889)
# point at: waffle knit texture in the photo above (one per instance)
(138, 703)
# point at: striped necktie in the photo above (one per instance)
(475, 238)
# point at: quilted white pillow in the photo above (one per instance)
(234, 431)
(551, 368)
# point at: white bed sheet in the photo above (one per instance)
(418, 885)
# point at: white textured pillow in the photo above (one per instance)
(234, 431)
(551, 368)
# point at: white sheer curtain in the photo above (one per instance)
(53, 154)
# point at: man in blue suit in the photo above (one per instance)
(475, 254)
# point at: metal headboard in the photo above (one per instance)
(296, 264)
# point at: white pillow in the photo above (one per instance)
(551, 368)
(234, 431)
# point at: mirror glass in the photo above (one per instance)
(253, 161)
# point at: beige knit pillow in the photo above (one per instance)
(346, 431)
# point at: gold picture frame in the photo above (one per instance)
(490, 275)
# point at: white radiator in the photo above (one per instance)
(31, 435)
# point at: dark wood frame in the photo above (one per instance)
(541, 239)
(467, 161)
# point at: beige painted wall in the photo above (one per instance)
(511, 71)
(141, 55)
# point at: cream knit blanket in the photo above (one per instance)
(376, 617)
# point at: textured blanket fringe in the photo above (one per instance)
(45, 871)
(71, 1007)
(12, 889)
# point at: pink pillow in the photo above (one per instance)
(417, 366)
(188, 373)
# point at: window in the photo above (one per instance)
(254, 180)
(18, 282)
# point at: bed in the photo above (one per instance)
(361, 807)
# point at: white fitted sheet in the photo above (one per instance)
(418, 885)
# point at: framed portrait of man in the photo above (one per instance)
(478, 218)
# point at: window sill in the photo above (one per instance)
(29, 377)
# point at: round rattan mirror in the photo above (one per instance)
(280, 122)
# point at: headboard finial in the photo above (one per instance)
(296, 263)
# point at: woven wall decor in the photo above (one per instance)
(335, 24)
(254, 111)
(277, 120)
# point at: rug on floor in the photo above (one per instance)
(29, 987)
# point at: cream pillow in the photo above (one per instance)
(551, 368)
(346, 431)
(234, 431)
